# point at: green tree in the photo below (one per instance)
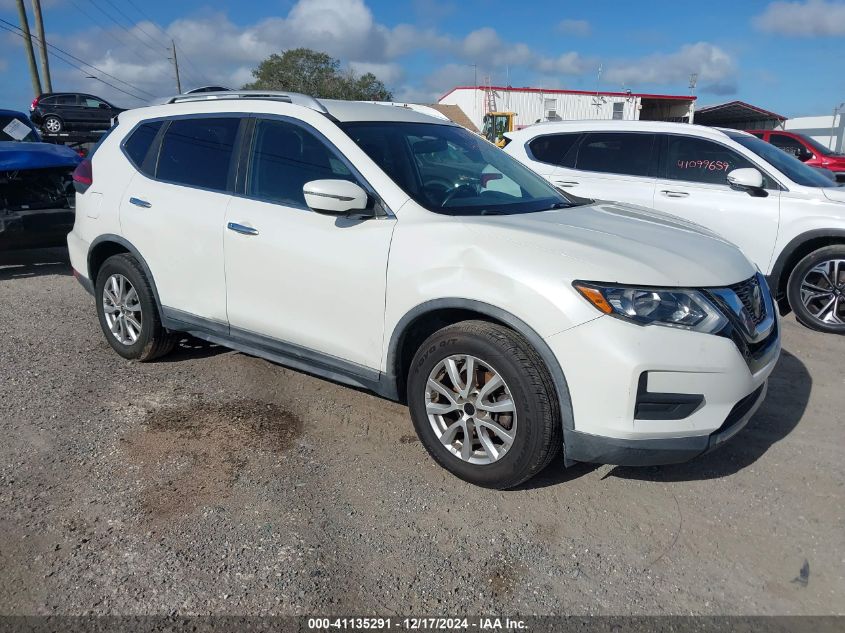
(317, 74)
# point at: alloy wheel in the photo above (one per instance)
(823, 292)
(52, 125)
(122, 309)
(470, 409)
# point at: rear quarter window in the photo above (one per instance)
(555, 149)
(138, 143)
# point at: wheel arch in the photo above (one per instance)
(106, 246)
(796, 250)
(425, 319)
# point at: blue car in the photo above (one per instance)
(36, 190)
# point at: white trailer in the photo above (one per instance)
(533, 105)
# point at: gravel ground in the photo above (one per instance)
(214, 482)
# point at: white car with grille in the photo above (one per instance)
(382, 248)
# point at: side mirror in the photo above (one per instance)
(334, 197)
(805, 155)
(747, 178)
(103, 106)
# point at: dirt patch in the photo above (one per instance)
(191, 455)
(504, 576)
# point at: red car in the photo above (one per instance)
(806, 150)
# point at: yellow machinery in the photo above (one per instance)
(496, 124)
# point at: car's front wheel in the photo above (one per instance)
(127, 311)
(484, 405)
(53, 124)
(816, 289)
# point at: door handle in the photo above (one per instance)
(140, 203)
(241, 228)
(675, 194)
(566, 183)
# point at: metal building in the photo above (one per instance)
(739, 116)
(533, 105)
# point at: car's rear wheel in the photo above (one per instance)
(53, 124)
(816, 289)
(127, 311)
(484, 405)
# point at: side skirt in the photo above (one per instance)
(281, 352)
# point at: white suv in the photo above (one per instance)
(382, 248)
(787, 217)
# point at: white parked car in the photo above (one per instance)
(383, 248)
(787, 217)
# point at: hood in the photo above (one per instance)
(837, 194)
(618, 243)
(16, 156)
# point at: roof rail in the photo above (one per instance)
(270, 95)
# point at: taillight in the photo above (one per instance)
(34, 104)
(83, 176)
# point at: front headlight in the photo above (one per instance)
(672, 307)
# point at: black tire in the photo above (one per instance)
(154, 340)
(537, 439)
(56, 121)
(796, 278)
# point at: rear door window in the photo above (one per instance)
(284, 157)
(198, 152)
(628, 154)
(138, 142)
(555, 149)
(63, 100)
(700, 160)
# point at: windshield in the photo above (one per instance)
(787, 164)
(447, 169)
(817, 147)
(17, 128)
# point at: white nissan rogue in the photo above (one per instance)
(382, 248)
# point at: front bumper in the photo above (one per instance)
(608, 363)
(583, 447)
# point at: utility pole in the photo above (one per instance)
(693, 82)
(30, 54)
(176, 66)
(837, 111)
(42, 48)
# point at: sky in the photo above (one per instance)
(784, 56)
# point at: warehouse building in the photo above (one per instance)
(533, 105)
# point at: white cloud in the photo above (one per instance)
(215, 50)
(567, 64)
(716, 69)
(813, 18)
(389, 73)
(578, 28)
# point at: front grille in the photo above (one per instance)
(745, 291)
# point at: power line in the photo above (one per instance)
(104, 28)
(137, 26)
(135, 35)
(69, 63)
(195, 71)
(61, 52)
